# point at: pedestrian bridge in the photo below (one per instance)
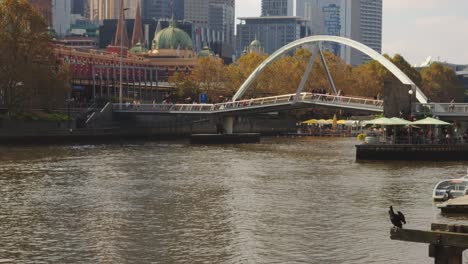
(258, 105)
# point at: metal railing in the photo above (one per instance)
(418, 140)
(322, 99)
(441, 108)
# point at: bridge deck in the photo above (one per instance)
(266, 104)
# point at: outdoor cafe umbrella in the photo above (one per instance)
(341, 122)
(310, 122)
(400, 121)
(382, 121)
(430, 121)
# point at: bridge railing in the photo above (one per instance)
(255, 102)
(250, 103)
(164, 107)
(342, 100)
(439, 108)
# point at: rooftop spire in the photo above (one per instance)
(137, 36)
(121, 26)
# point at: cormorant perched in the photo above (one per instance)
(397, 219)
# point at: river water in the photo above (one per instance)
(301, 200)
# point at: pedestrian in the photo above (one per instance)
(452, 106)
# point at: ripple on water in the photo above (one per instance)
(282, 201)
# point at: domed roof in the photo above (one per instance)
(256, 43)
(205, 52)
(172, 38)
(138, 49)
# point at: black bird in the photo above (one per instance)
(397, 219)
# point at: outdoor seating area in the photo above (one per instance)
(425, 131)
(329, 127)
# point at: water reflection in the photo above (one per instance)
(282, 201)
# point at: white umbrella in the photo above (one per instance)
(431, 121)
(383, 121)
(400, 121)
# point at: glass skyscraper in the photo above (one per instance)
(360, 20)
(277, 7)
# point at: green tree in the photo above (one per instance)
(29, 74)
(440, 84)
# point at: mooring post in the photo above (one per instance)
(446, 242)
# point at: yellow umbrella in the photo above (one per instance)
(341, 122)
(310, 122)
(322, 121)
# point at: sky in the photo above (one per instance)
(416, 29)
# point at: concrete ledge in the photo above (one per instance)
(411, 152)
(224, 138)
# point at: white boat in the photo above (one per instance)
(450, 188)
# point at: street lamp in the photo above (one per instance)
(410, 93)
(121, 53)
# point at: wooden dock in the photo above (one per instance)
(455, 206)
(446, 242)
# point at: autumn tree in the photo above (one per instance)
(369, 78)
(239, 71)
(440, 84)
(185, 86)
(29, 74)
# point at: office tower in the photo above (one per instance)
(163, 9)
(109, 9)
(101, 9)
(360, 20)
(277, 7)
(272, 32)
(78, 7)
(222, 20)
(371, 25)
(61, 16)
(196, 11)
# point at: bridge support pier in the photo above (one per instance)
(228, 125)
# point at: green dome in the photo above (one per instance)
(205, 52)
(256, 44)
(138, 49)
(172, 38)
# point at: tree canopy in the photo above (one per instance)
(29, 74)
(284, 75)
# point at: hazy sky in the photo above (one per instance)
(415, 29)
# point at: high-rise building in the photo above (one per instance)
(371, 25)
(214, 22)
(101, 9)
(78, 7)
(273, 32)
(360, 20)
(222, 19)
(163, 9)
(109, 9)
(61, 16)
(196, 11)
(277, 7)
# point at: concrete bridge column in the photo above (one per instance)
(228, 124)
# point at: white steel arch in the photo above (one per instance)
(345, 41)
